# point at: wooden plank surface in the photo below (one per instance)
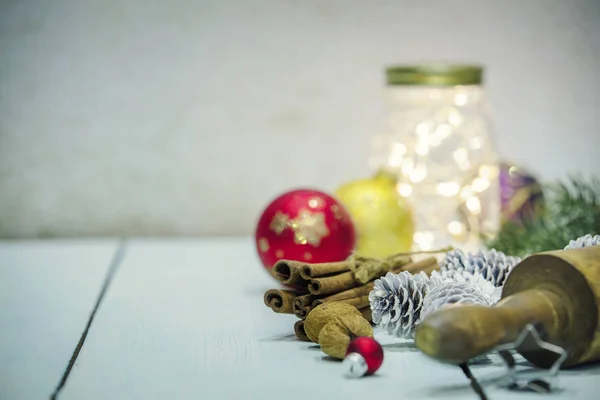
(185, 320)
(47, 290)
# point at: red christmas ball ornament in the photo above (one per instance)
(304, 225)
(364, 356)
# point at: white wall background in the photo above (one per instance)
(186, 117)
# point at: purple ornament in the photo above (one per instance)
(521, 196)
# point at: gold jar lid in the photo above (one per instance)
(434, 74)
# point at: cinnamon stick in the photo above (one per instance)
(302, 311)
(280, 301)
(358, 302)
(304, 300)
(299, 330)
(288, 273)
(357, 291)
(303, 304)
(332, 284)
(346, 294)
(366, 269)
(346, 280)
(310, 271)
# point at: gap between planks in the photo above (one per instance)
(116, 261)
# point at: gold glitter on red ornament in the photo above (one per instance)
(309, 227)
(263, 245)
(316, 202)
(279, 222)
(335, 210)
(307, 256)
(279, 254)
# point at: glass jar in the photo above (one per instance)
(438, 144)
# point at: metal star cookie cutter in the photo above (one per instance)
(538, 379)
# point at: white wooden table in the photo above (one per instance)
(184, 319)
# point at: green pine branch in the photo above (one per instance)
(571, 210)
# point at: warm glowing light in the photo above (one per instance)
(466, 192)
(418, 173)
(476, 143)
(396, 154)
(422, 147)
(435, 140)
(448, 189)
(455, 228)
(455, 118)
(461, 156)
(439, 146)
(408, 164)
(460, 99)
(473, 205)
(444, 130)
(424, 240)
(404, 189)
(422, 129)
(488, 171)
(480, 184)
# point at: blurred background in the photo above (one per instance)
(182, 117)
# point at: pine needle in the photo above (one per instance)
(572, 210)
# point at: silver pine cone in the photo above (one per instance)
(396, 301)
(493, 265)
(473, 289)
(584, 241)
(477, 281)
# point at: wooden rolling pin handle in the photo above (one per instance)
(459, 333)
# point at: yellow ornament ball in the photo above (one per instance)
(383, 219)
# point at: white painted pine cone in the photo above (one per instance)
(473, 290)
(396, 302)
(493, 265)
(584, 241)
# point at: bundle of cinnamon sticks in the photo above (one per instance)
(348, 281)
